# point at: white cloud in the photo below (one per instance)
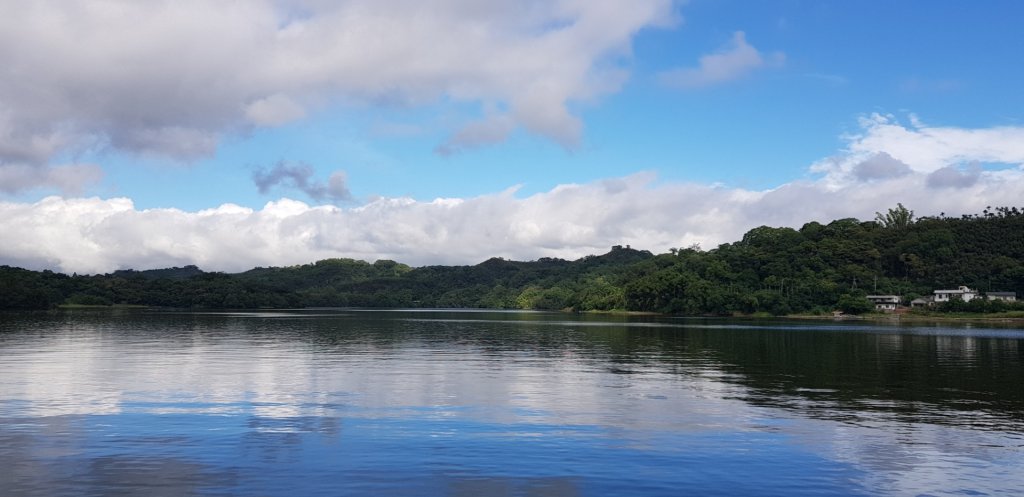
(733, 61)
(173, 77)
(923, 148)
(90, 235)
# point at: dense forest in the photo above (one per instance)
(814, 269)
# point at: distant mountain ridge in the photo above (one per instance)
(172, 273)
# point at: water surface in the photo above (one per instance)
(503, 403)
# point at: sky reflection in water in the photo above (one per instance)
(441, 403)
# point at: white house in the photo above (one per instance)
(961, 293)
(1004, 296)
(885, 303)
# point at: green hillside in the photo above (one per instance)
(814, 269)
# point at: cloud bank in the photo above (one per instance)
(172, 78)
(91, 235)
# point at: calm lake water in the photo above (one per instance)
(310, 403)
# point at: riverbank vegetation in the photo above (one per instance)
(812, 270)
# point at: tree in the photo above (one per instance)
(854, 302)
(898, 218)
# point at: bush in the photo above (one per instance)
(852, 303)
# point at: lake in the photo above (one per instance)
(470, 403)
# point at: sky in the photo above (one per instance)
(232, 135)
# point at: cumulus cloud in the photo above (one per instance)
(954, 177)
(300, 176)
(172, 78)
(89, 235)
(922, 148)
(733, 61)
(880, 166)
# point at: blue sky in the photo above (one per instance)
(759, 112)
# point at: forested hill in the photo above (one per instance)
(775, 270)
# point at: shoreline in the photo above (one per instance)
(1015, 317)
(916, 318)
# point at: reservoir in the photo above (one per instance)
(485, 403)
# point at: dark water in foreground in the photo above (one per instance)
(500, 404)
